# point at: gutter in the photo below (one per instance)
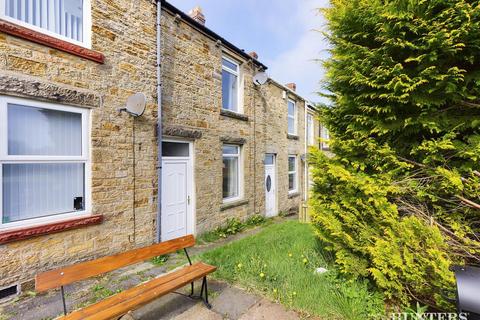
(159, 124)
(287, 89)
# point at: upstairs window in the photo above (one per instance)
(292, 173)
(292, 117)
(325, 137)
(230, 85)
(231, 172)
(43, 161)
(310, 130)
(68, 20)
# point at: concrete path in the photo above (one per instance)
(227, 302)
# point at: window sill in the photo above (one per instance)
(43, 39)
(233, 204)
(292, 136)
(232, 114)
(23, 233)
(293, 194)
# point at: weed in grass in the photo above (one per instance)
(280, 263)
(123, 278)
(416, 312)
(283, 214)
(30, 293)
(143, 276)
(233, 226)
(160, 260)
(4, 316)
(255, 220)
(99, 292)
(212, 294)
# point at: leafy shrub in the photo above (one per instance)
(354, 216)
(255, 220)
(399, 200)
(232, 227)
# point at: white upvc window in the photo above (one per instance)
(292, 174)
(310, 130)
(230, 85)
(44, 162)
(292, 117)
(231, 172)
(68, 20)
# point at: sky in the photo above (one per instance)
(284, 34)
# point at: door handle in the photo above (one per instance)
(188, 200)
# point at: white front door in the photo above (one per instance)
(270, 186)
(177, 182)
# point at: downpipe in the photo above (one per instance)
(159, 123)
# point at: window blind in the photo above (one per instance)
(33, 190)
(64, 17)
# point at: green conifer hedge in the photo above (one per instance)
(399, 201)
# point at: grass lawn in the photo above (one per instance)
(280, 263)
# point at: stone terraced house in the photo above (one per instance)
(79, 179)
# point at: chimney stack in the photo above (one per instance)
(254, 55)
(197, 15)
(292, 86)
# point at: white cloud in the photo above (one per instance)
(297, 64)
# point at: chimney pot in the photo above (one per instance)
(292, 86)
(197, 15)
(254, 55)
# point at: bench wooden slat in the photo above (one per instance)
(63, 276)
(130, 299)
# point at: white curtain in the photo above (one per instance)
(64, 17)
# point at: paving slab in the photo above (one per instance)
(232, 302)
(199, 312)
(267, 310)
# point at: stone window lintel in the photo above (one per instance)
(233, 140)
(23, 87)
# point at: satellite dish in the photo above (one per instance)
(136, 104)
(260, 78)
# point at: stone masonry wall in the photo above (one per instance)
(277, 141)
(129, 67)
(124, 31)
(192, 97)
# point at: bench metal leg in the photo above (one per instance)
(205, 300)
(203, 293)
(63, 301)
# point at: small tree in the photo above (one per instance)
(399, 201)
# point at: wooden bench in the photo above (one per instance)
(119, 304)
